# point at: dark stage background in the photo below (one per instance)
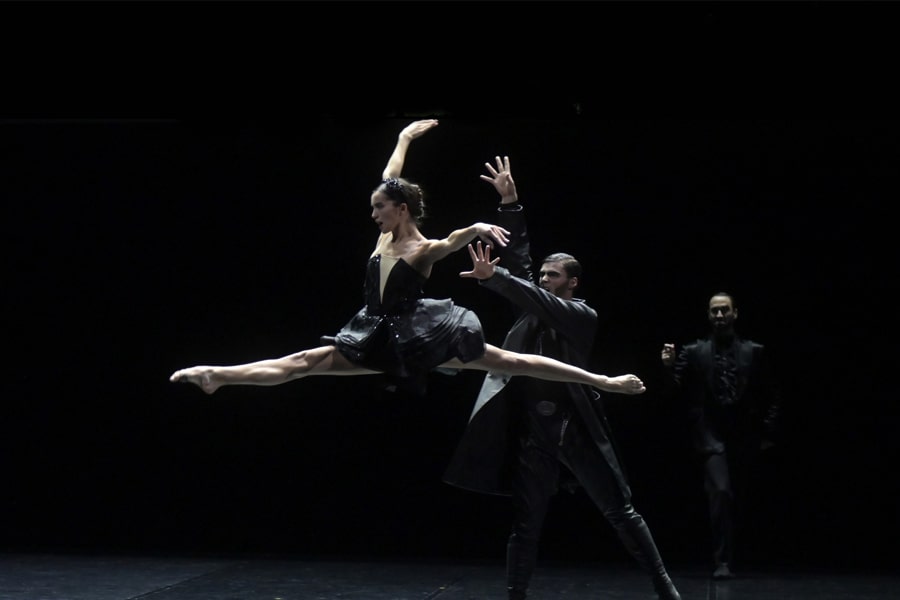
(137, 247)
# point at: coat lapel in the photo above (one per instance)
(744, 360)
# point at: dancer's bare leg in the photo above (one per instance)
(324, 360)
(499, 360)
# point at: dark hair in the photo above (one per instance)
(402, 191)
(572, 266)
(727, 295)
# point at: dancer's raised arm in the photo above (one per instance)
(398, 156)
(399, 207)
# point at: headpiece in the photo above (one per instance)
(393, 184)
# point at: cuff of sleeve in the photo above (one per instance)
(511, 207)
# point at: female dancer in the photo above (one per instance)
(400, 332)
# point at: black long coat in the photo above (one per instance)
(484, 456)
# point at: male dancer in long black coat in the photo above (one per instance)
(522, 430)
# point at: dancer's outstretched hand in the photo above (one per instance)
(501, 179)
(492, 234)
(482, 265)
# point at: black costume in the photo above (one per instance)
(732, 403)
(404, 334)
(522, 429)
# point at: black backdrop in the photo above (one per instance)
(206, 228)
(139, 247)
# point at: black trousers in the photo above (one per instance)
(720, 498)
(535, 482)
(727, 480)
(537, 473)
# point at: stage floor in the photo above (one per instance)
(73, 577)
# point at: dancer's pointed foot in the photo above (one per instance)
(199, 376)
(624, 384)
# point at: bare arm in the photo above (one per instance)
(398, 156)
(435, 250)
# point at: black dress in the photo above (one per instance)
(404, 334)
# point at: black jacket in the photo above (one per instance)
(753, 416)
(483, 457)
